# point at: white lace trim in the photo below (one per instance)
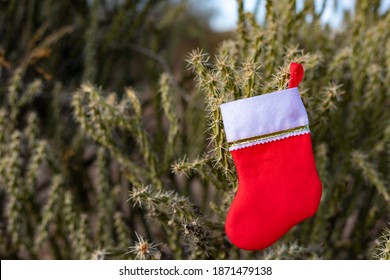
(271, 139)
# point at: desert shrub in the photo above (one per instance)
(106, 154)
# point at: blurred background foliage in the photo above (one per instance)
(111, 140)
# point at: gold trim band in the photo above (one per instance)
(269, 135)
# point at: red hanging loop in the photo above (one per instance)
(296, 74)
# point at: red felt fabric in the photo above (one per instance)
(278, 188)
(296, 74)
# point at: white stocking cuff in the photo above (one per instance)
(264, 118)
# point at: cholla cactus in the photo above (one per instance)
(92, 151)
(383, 247)
(292, 251)
(143, 249)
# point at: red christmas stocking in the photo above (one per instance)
(269, 139)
